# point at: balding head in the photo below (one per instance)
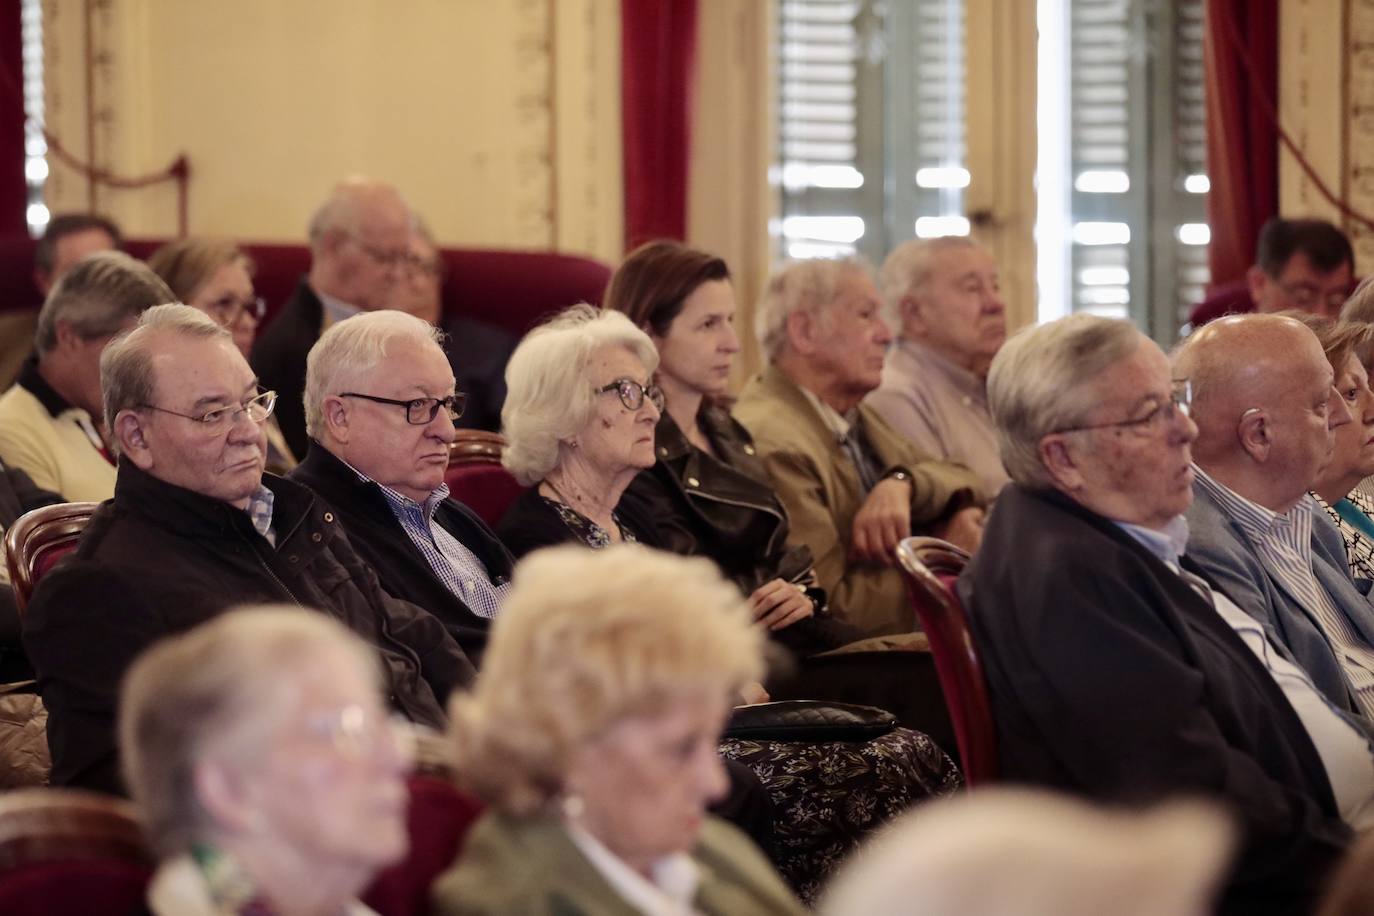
(359, 240)
(1264, 405)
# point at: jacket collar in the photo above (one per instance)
(193, 514)
(32, 381)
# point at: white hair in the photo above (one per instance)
(1022, 852)
(800, 286)
(549, 398)
(1042, 381)
(908, 267)
(350, 350)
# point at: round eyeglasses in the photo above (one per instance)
(419, 411)
(632, 394)
(257, 409)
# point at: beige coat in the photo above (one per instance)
(817, 482)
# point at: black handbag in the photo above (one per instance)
(809, 721)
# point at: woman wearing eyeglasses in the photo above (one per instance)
(579, 422)
(216, 276)
(268, 775)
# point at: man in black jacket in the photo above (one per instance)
(359, 249)
(380, 403)
(1116, 671)
(195, 528)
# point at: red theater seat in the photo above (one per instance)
(38, 539)
(439, 818)
(476, 478)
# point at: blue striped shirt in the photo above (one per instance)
(1284, 542)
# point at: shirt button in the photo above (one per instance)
(469, 585)
(316, 537)
(693, 482)
(663, 451)
(293, 558)
(748, 450)
(329, 516)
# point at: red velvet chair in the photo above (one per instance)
(510, 289)
(930, 567)
(476, 478)
(439, 817)
(65, 852)
(37, 540)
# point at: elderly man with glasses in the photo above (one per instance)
(1265, 412)
(1117, 669)
(380, 406)
(359, 252)
(195, 528)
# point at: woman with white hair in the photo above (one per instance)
(1024, 852)
(579, 418)
(269, 777)
(591, 733)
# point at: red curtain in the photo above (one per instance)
(1241, 60)
(14, 191)
(658, 57)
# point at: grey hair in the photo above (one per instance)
(548, 396)
(342, 210)
(218, 692)
(908, 267)
(800, 286)
(1360, 305)
(126, 366)
(352, 349)
(1041, 381)
(98, 296)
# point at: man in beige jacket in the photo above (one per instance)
(852, 485)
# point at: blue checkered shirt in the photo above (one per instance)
(456, 566)
(259, 511)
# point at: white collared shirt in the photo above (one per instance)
(670, 893)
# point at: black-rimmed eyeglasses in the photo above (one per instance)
(632, 394)
(419, 411)
(258, 409)
(1180, 401)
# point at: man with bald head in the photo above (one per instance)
(1265, 407)
(359, 246)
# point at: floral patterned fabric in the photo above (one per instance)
(827, 798)
(586, 530)
(1359, 547)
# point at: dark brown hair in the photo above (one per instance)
(656, 278)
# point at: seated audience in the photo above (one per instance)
(1349, 347)
(17, 496)
(1265, 409)
(359, 246)
(266, 772)
(709, 491)
(1360, 308)
(51, 424)
(215, 276)
(852, 486)
(68, 238)
(195, 528)
(476, 351)
(1303, 264)
(592, 733)
(380, 403)
(1116, 671)
(943, 297)
(579, 423)
(990, 854)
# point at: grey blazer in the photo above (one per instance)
(1218, 545)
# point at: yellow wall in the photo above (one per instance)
(498, 119)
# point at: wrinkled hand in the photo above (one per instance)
(964, 528)
(753, 692)
(778, 604)
(881, 522)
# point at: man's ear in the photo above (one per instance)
(909, 314)
(802, 328)
(1059, 456)
(133, 443)
(1256, 434)
(66, 335)
(335, 413)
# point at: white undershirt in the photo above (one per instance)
(670, 893)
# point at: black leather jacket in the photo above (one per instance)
(722, 506)
(159, 559)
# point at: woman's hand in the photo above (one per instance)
(779, 604)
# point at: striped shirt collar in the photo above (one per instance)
(1168, 543)
(1292, 528)
(398, 501)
